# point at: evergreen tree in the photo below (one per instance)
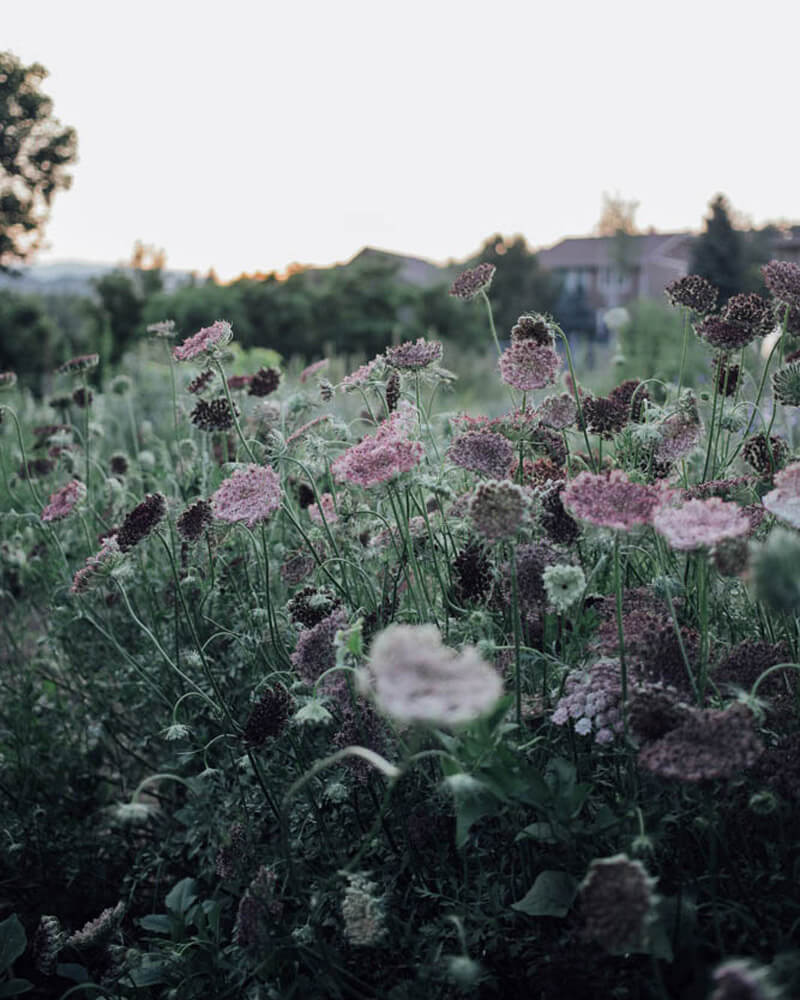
(719, 252)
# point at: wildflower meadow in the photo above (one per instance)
(318, 684)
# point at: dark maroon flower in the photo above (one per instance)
(141, 521)
(472, 282)
(264, 382)
(692, 292)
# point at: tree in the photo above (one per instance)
(35, 151)
(617, 216)
(719, 252)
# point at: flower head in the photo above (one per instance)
(362, 374)
(740, 979)
(252, 494)
(558, 412)
(194, 520)
(97, 567)
(313, 369)
(529, 365)
(484, 452)
(533, 327)
(384, 456)
(616, 902)
(725, 335)
(592, 701)
(141, 521)
(694, 292)
(786, 384)
(784, 500)
(264, 382)
(611, 501)
(765, 455)
(700, 524)
(414, 356)
(64, 501)
(416, 679)
(83, 363)
(782, 278)
(213, 415)
(324, 511)
(205, 343)
(472, 282)
(750, 311)
(498, 508)
(165, 328)
(268, 717)
(564, 585)
(315, 651)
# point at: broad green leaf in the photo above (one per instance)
(537, 831)
(550, 896)
(181, 896)
(159, 923)
(12, 941)
(71, 970)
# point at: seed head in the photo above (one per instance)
(472, 282)
(268, 717)
(141, 520)
(533, 327)
(693, 292)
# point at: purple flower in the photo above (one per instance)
(784, 500)
(63, 501)
(528, 365)
(611, 501)
(250, 495)
(414, 356)
(484, 452)
(498, 509)
(700, 524)
(382, 457)
(782, 278)
(204, 342)
(317, 366)
(472, 282)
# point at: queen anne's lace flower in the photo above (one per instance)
(784, 500)
(64, 501)
(498, 509)
(558, 412)
(782, 278)
(250, 495)
(528, 365)
(472, 282)
(413, 356)
(204, 342)
(416, 679)
(611, 501)
(382, 457)
(700, 524)
(483, 451)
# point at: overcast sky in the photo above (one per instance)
(247, 135)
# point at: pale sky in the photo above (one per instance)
(247, 135)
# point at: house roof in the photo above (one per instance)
(597, 251)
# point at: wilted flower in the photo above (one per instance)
(363, 912)
(194, 520)
(213, 415)
(617, 903)
(611, 501)
(250, 495)
(380, 458)
(498, 508)
(694, 292)
(83, 363)
(782, 278)
(264, 382)
(416, 679)
(558, 412)
(564, 585)
(699, 523)
(484, 452)
(786, 384)
(528, 365)
(64, 501)
(205, 343)
(533, 327)
(473, 281)
(414, 356)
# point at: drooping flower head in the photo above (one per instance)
(64, 501)
(784, 500)
(611, 501)
(472, 282)
(414, 678)
(251, 495)
(384, 456)
(97, 567)
(528, 365)
(414, 356)
(782, 278)
(498, 509)
(700, 524)
(205, 343)
(693, 292)
(484, 452)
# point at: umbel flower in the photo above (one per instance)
(533, 327)
(213, 415)
(414, 678)
(616, 903)
(64, 501)
(141, 521)
(83, 363)
(725, 335)
(748, 310)
(384, 456)
(786, 384)
(782, 278)
(324, 511)
(205, 343)
(194, 520)
(250, 495)
(558, 412)
(498, 509)
(592, 701)
(784, 500)
(264, 382)
(268, 717)
(693, 292)
(765, 455)
(564, 585)
(363, 912)
(472, 282)
(483, 451)
(414, 356)
(611, 501)
(699, 524)
(529, 365)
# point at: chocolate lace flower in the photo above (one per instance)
(700, 524)
(251, 495)
(205, 343)
(528, 365)
(694, 292)
(611, 501)
(83, 363)
(533, 327)
(414, 356)
(472, 282)
(64, 501)
(749, 311)
(782, 278)
(484, 452)
(264, 382)
(558, 412)
(141, 521)
(497, 509)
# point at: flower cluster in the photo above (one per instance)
(558, 412)
(564, 585)
(765, 455)
(194, 520)
(362, 374)
(250, 495)
(205, 343)
(749, 311)
(782, 278)
(213, 415)
(617, 903)
(592, 701)
(497, 509)
(612, 501)
(141, 521)
(200, 382)
(725, 335)
(414, 356)
(693, 292)
(83, 363)
(264, 382)
(268, 717)
(529, 365)
(470, 283)
(414, 678)
(533, 327)
(380, 458)
(325, 511)
(784, 500)
(64, 501)
(700, 524)
(483, 451)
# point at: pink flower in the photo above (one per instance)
(360, 375)
(386, 455)
(483, 451)
(527, 365)
(328, 510)
(413, 356)
(204, 342)
(251, 495)
(318, 366)
(784, 500)
(700, 523)
(302, 431)
(612, 501)
(63, 501)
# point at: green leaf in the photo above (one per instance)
(14, 987)
(71, 970)
(537, 831)
(158, 923)
(550, 896)
(181, 896)
(12, 942)
(149, 974)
